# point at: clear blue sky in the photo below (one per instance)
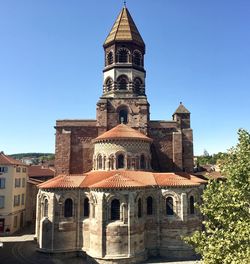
(51, 61)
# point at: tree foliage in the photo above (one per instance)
(226, 210)
(206, 159)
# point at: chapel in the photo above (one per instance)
(124, 189)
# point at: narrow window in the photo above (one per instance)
(115, 209)
(142, 162)
(2, 183)
(46, 208)
(120, 161)
(86, 207)
(68, 208)
(123, 116)
(170, 206)
(149, 205)
(139, 208)
(137, 58)
(191, 204)
(123, 55)
(110, 58)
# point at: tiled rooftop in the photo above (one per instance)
(118, 179)
(122, 131)
(40, 171)
(124, 29)
(7, 160)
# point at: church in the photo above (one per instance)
(124, 189)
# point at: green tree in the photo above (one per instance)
(226, 210)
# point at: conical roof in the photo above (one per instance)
(122, 131)
(181, 109)
(124, 29)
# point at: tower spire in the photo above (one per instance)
(125, 3)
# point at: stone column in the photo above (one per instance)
(184, 207)
(131, 214)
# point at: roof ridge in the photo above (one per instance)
(118, 22)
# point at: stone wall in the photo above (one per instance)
(131, 237)
(74, 148)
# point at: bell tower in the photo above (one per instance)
(123, 99)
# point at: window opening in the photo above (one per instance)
(123, 55)
(142, 161)
(137, 58)
(123, 116)
(191, 204)
(115, 210)
(46, 208)
(110, 58)
(149, 205)
(120, 161)
(122, 83)
(86, 207)
(170, 206)
(68, 208)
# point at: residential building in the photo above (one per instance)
(13, 181)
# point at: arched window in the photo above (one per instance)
(68, 208)
(149, 205)
(110, 58)
(170, 206)
(142, 162)
(115, 209)
(122, 82)
(123, 116)
(99, 162)
(123, 55)
(137, 86)
(191, 204)
(120, 161)
(109, 84)
(137, 58)
(45, 208)
(86, 207)
(139, 208)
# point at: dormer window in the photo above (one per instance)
(123, 55)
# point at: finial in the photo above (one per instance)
(180, 102)
(124, 2)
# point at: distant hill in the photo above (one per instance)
(44, 156)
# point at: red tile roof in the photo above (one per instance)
(63, 181)
(7, 160)
(117, 179)
(40, 171)
(122, 131)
